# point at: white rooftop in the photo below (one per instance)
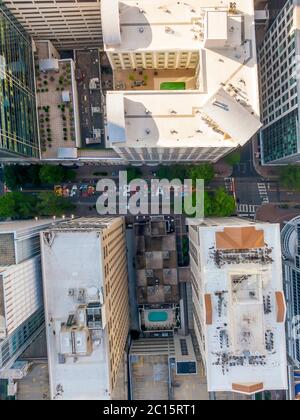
(73, 261)
(244, 312)
(168, 25)
(225, 65)
(155, 25)
(24, 225)
(178, 119)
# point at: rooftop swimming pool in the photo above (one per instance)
(158, 316)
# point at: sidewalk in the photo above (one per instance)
(222, 169)
(272, 213)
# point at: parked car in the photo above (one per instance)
(74, 191)
(58, 190)
(91, 190)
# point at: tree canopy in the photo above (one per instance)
(52, 174)
(133, 173)
(17, 176)
(233, 159)
(217, 204)
(182, 172)
(19, 205)
(290, 177)
(222, 204)
(49, 204)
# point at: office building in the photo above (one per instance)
(86, 306)
(279, 84)
(18, 127)
(21, 296)
(68, 24)
(239, 305)
(184, 74)
(290, 237)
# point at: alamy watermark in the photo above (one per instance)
(163, 197)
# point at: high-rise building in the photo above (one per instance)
(86, 306)
(185, 73)
(279, 84)
(21, 296)
(239, 305)
(18, 124)
(68, 24)
(290, 237)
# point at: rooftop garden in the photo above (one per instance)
(56, 114)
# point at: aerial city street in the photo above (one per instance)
(149, 202)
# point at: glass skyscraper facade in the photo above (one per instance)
(279, 88)
(18, 125)
(291, 269)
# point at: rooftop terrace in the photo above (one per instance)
(57, 102)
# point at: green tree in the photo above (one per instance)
(7, 206)
(49, 204)
(223, 204)
(26, 205)
(17, 205)
(53, 174)
(16, 176)
(233, 159)
(133, 173)
(205, 172)
(290, 177)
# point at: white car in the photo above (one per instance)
(74, 191)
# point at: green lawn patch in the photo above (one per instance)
(172, 86)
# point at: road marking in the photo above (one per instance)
(262, 189)
(247, 210)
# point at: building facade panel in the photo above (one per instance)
(18, 129)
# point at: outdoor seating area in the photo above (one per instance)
(57, 101)
(56, 109)
(151, 79)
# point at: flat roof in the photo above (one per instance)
(24, 225)
(73, 261)
(167, 25)
(233, 69)
(245, 339)
(178, 119)
(217, 25)
(143, 25)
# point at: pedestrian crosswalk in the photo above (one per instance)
(247, 210)
(262, 189)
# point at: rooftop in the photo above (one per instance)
(143, 24)
(245, 309)
(177, 119)
(22, 226)
(156, 264)
(130, 25)
(73, 279)
(222, 91)
(57, 102)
